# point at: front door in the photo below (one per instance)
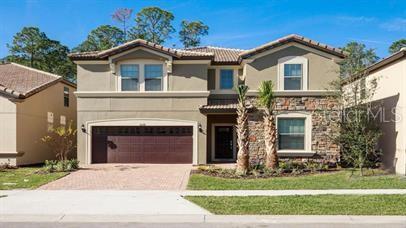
(224, 145)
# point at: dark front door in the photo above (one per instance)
(158, 144)
(224, 142)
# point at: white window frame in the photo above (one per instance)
(213, 141)
(307, 133)
(292, 60)
(217, 89)
(141, 80)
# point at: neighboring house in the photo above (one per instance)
(31, 102)
(389, 98)
(142, 102)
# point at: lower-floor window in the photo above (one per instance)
(291, 133)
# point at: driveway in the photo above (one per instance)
(124, 177)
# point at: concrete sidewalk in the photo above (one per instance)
(96, 202)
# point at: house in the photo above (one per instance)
(31, 102)
(389, 99)
(143, 102)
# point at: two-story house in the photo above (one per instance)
(142, 102)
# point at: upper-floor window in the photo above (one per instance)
(292, 73)
(143, 75)
(153, 77)
(226, 79)
(293, 76)
(66, 96)
(130, 77)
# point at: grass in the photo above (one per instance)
(333, 180)
(26, 177)
(303, 205)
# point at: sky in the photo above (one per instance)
(240, 24)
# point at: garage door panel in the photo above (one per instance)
(156, 148)
(136, 144)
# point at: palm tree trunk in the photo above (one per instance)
(271, 160)
(242, 139)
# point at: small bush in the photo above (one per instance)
(287, 167)
(4, 166)
(61, 166)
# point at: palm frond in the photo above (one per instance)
(241, 91)
(266, 95)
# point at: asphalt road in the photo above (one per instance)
(194, 225)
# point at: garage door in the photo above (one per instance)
(158, 144)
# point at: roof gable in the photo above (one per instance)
(19, 81)
(293, 38)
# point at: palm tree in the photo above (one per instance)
(266, 99)
(242, 131)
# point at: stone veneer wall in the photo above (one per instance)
(325, 116)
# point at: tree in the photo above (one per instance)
(101, 38)
(266, 99)
(153, 24)
(191, 32)
(33, 48)
(122, 16)
(359, 132)
(242, 131)
(357, 60)
(397, 45)
(62, 140)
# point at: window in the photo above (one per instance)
(226, 79)
(292, 73)
(66, 96)
(129, 77)
(291, 134)
(153, 77)
(293, 76)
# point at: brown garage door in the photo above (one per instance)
(158, 144)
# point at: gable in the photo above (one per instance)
(140, 53)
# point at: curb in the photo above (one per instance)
(235, 219)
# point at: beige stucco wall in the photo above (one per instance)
(95, 77)
(8, 131)
(391, 95)
(188, 77)
(97, 109)
(139, 54)
(32, 122)
(321, 69)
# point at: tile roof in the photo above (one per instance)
(100, 55)
(20, 81)
(218, 55)
(293, 38)
(222, 106)
(221, 55)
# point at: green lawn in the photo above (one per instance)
(25, 178)
(334, 180)
(303, 205)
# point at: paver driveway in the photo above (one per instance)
(125, 177)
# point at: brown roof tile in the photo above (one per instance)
(294, 38)
(221, 55)
(222, 106)
(100, 55)
(218, 55)
(20, 81)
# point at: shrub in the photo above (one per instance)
(61, 166)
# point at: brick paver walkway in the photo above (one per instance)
(124, 177)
